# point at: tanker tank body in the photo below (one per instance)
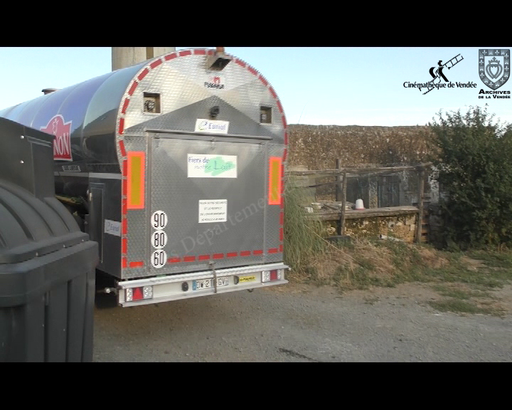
(178, 162)
(83, 118)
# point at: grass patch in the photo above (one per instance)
(464, 279)
(303, 242)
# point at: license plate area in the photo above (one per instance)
(208, 283)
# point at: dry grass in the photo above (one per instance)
(466, 280)
(361, 263)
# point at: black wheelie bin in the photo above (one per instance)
(47, 265)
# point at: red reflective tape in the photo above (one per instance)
(132, 88)
(204, 257)
(281, 218)
(232, 254)
(279, 106)
(156, 63)
(170, 56)
(284, 122)
(286, 138)
(281, 234)
(272, 91)
(241, 63)
(252, 70)
(122, 148)
(280, 248)
(124, 246)
(136, 264)
(245, 253)
(124, 262)
(125, 186)
(200, 52)
(125, 226)
(124, 206)
(174, 260)
(263, 80)
(218, 255)
(189, 259)
(185, 53)
(273, 250)
(258, 252)
(143, 74)
(125, 105)
(121, 125)
(125, 165)
(285, 153)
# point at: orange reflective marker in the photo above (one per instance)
(274, 181)
(135, 176)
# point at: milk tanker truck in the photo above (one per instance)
(174, 166)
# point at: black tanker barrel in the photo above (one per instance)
(82, 118)
(47, 266)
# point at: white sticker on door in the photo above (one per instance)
(211, 166)
(112, 227)
(213, 210)
(212, 126)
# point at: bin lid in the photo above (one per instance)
(32, 226)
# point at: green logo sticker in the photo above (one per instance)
(211, 166)
(217, 166)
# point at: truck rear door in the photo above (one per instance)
(208, 205)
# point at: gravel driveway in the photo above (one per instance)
(299, 323)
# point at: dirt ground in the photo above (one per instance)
(305, 323)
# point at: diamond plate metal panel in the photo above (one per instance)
(135, 239)
(275, 218)
(238, 237)
(184, 82)
(248, 230)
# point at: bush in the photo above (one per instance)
(475, 174)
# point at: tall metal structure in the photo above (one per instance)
(126, 56)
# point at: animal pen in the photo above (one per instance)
(387, 202)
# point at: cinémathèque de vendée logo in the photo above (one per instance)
(440, 79)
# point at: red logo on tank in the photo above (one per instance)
(62, 142)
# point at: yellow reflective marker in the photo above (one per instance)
(135, 175)
(274, 181)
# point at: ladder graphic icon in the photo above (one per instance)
(449, 64)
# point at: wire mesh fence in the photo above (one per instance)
(356, 192)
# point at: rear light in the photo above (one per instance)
(272, 275)
(140, 293)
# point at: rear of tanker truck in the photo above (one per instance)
(183, 159)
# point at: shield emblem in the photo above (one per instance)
(494, 67)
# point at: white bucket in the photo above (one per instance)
(359, 204)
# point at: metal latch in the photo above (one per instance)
(212, 267)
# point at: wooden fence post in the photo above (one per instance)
(338, 181)
(343, 204)
(421, 188)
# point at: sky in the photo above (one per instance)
(368, 86)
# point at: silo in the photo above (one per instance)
(126, 56)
